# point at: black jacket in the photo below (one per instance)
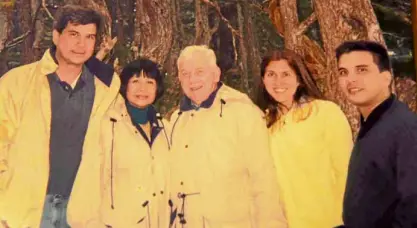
(381, 189)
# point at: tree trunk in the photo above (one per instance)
(202, 28)
(5, 28)
(172, 93)
(153, 28)
(25, 26)
(120, 22)
(243, 52)
(414, 19)
(39, 30)
(252, 47)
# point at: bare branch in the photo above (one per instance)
(215, 26)
(303, 26)
(16, 40)
(216, 6)
(234, 48)
(397, 13)
(47, 10)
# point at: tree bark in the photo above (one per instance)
(25, 26)
(414, 19)
(119, 22)
(252, 46)
(39, 29)
(202, 28)
(153, 28)
(243, 53)
(5, 28)
(172, 93)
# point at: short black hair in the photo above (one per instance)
(80, 15)
(378, 51)
(150, 70)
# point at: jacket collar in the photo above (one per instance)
(153, 116)
(375, 115)
(186, 104)
(104, 72)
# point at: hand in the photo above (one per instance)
(105, 47)
(4, 224)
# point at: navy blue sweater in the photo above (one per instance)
(381, 189)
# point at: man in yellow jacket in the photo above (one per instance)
(222, 174)
(50, 112)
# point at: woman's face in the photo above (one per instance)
(281, 82)
(141, 91)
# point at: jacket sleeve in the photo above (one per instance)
(338, 140)
(8, 124)
(406, 153)
(262, 175)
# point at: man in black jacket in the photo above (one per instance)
(381, 189)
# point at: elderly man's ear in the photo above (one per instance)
(218, 73)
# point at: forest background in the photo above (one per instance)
(240, 31)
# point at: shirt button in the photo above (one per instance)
(154, 194)
(186, 146)
(192, 114)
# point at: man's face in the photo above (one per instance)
(361, 80)
(198, 79)
(75, 45)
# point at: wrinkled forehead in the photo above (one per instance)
(189, 64)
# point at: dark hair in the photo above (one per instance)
(150, 70)
(306, 90)
(78, 15)
(379, 52)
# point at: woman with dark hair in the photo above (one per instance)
(310, 141)
(136, 148)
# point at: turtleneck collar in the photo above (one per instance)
(138, 115)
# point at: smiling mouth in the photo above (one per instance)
(354, 90)
(279, 90)
(141, 97)
(193, 89)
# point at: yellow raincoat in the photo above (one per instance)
(312, 157)
(135, 175)
(222, 173)
(25, 121)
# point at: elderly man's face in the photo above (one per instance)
(198, 78)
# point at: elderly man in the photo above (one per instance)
(222, 174)
(50, 113)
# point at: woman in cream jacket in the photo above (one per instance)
(136, 147)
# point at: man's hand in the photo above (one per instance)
(105, 47)
(4, 224)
